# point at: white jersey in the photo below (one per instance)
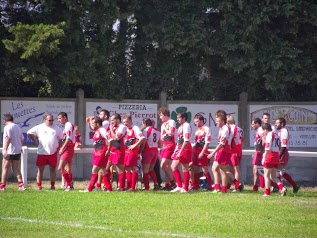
(284, 137)
(272, 142)
(14, 133)
(152, 136)
(48, 136)
(105, 124)
(68, 133)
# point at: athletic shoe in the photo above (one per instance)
(72, 187)
(266, 195)
(156, 187)
(176, 190)
(241, 187)
(233, 190)
(84, 191)
(183, 191)
(39, 188)
(52, 187)
(283, 192)
(171, 187)
(275, 189)
(216, 191)
(296, 188)
(2, 189)
(67, 189)
(22, 188)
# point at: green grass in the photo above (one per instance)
(156, 214)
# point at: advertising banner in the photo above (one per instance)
(208, 111)
(301, 122)
(30, 113)
(138, 111)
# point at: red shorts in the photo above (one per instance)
(272, 158)
(204, 161)
(50, 160)
(257, 159)
(235, 159)
(100, 160)
(270, 165)
(285, 157)
(149, 157)
(130, 159)
(222, 157)
(68, 154)
(185, 157)
(167, 152)
(117, 157)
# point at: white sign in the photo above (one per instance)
(30, 113)
(301, 122)
(208, 111)
(138, 111)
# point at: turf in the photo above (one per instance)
(57, 213)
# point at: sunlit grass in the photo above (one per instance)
(155, 214)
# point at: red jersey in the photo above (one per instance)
(99, 142)
(131, 137)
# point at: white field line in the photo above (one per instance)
(107, 228)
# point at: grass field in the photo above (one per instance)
(56, 213)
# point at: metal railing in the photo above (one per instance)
(31, 150)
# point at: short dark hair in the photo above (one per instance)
(63, 114)
(182, 115)
(116, 116)
(267, 126)
(147, 121)
(282, 120)
(98, 121)
(7, 117)
(107, 113)
(257, 121)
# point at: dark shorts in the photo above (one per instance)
(13, 157)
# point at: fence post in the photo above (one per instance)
(24, 165)
(245, 125)
(80, 113)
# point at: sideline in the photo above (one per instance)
(106, 228)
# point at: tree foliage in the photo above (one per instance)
(202, 50)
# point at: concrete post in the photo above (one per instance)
(245, 125)
(24, 165)
(80, 112)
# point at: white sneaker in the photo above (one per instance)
(183, 191)
(2, 189)
(176, 190)
(22, 188)
(67, 189)
(283, 192)
(84, 191)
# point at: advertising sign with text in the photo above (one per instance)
(138, 111)
(208, 111)
(30, 113)
(301, 122)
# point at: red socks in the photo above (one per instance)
(178, 178)
(289, 179)
(186, 180)
(153, 176)
(92, 182)
(146, 181)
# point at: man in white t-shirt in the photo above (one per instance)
(47, 137)
(12, 147)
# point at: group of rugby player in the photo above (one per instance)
(119, 144)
